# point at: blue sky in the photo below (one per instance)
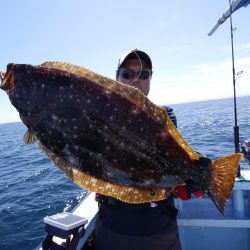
(188, 64)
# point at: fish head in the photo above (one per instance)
(7, 79)
(25, 93)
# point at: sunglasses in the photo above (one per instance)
(142, 74)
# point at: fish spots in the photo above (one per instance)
(109, 174)
(54, 117)
(148, 182)
(108, 186)
(166, 154)
(152, 193)
(135, 111)
(61, 100)
(185, 162)
(108, 93)
(93, 183)
(105, 127)
(164, 134)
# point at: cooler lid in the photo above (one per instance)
(65, 221)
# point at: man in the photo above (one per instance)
(148, 226)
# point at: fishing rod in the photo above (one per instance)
(236, 127)
(233, 6)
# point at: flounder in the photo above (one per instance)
(109, 137)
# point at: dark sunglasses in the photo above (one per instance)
(129, 73)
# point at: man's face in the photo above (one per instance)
(126, 76)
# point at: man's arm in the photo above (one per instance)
(184, 192)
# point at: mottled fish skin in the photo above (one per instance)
(101, 132)
(88, 125)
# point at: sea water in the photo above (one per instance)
(31, 187)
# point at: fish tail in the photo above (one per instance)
(223, 174)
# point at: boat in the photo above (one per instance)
(200, 224)
(245, 149)
(72, 230)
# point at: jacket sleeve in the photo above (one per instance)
(171, 115)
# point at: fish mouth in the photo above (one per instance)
(7, 79)
(2, 75)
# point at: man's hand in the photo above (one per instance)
(185, 192)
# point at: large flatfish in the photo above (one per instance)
(109, 137)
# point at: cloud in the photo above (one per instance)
(201, 82)
(246, 46)
(224, 66)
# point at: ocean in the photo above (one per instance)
(31, 186)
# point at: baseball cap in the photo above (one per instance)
(135, 54)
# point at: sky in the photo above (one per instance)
(188, 64)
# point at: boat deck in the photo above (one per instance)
(201, 226)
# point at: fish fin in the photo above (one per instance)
(223, 174)
(29, 137)
(91, 183)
